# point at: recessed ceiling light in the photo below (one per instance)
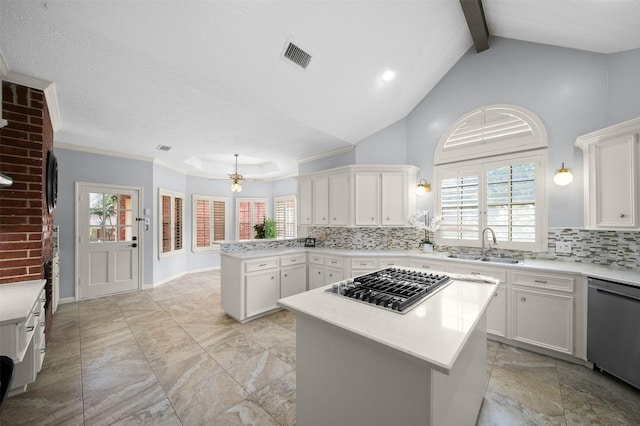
(387, 75)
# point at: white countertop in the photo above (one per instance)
(17, 299)
(622, 275)
(434, 331)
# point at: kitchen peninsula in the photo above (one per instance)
(359, 364)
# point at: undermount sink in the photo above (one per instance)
(465, 256)
(509, 260)
(501, 260)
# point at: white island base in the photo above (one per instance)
(344, 379)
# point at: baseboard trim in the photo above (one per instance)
(177, 276)
(66, 300)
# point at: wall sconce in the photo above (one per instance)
(563, 176)
(423, 187)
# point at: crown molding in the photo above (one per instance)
(326, 154)
(47, 87)
(99, 151)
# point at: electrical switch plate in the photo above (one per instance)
(563, 247)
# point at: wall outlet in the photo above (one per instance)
(562, 247)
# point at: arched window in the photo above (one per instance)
(491, 172)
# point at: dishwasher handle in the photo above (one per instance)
(615, 293)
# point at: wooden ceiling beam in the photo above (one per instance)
(474, 14)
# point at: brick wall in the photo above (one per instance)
(25, 222)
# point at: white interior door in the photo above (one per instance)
(108, 251)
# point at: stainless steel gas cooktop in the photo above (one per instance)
(394, 289)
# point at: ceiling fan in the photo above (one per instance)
(236, 186)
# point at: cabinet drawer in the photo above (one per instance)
(364, 264)
(316, 259)
(392, 261)
(261, 264)
(555, 282)
(429, 265)
(335, 262)
(294, 259)
(498, 274)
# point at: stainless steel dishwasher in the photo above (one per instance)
(613, 329)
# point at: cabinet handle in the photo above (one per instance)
(363, 264)
(262, 264)
(475, 273)
(30, 328)
(42, 351)
(426, 267)
(541, 281)
(36, 314)
(621, 215)
(524, 299)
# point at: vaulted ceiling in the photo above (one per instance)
(207, 78)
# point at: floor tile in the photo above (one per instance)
(279, 399)
(259, 370)
(246, 412)
(234, 349)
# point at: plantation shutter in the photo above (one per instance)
(178, 235)
(166, 223)
(511, 202)
(203, 223)
(460, 207)
(280, 219)
(219, 220)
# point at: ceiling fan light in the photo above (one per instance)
(236, 187)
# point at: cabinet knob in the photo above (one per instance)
(387, 218)
(372, 219)
(524, 299)
(334, 218)
(286, 275)
(495, 294)
(272, 277)
(621, 215)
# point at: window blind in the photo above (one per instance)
(178, 236)
(219, 220)
(460, 207)
(203, 223)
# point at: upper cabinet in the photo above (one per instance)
(612, 180)
(359, 195)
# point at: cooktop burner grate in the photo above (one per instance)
(394, 289)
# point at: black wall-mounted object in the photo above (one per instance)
(309, 242)
(52, 181)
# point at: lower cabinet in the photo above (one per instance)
(543, 319)
(293, 280)
(262, 291)
(316, 276)
(497, 312)
(332, 275)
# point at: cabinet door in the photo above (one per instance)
(262, 291)
(339, 199)
(305, 202)
(543, 319)
(320, 200)
(316, 276)
(332, 275)
(497, 313)
(293, 280)
(614, 172)
(394, 199)
(367, 199)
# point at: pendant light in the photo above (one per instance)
(563, 176)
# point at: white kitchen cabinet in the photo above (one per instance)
(339, 199)
(547, 311)
(387, 262)
(360, 195)
(367, 198)
(394, 207)
(305, 202)
(543, 319)
(316, 276)
(262, 291)
(332, 275)
(293, 280)
(320, 200)
(497, 310)
(429, 264)
(612, 176)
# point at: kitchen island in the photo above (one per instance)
(358, 364)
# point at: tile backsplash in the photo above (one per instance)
(617, 248)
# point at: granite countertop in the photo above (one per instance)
(622, 275)
(434, 331)
(17, 299)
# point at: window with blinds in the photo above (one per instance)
(460, 207)
(209, 222)
(249, 212)
(171, 230)
(506, 195)
(286, 217)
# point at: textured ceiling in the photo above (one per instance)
(207, 77)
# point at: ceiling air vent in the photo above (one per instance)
(163, 148)
(297, 55)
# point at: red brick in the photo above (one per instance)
(17, 263)
(21, 109)
(14, 203)
(21, 245)
(36, 121)
(35, 137)
(20, 278)
(13, 133)
(13, 151)
(37, 95)
(16, 254)
(13, 272)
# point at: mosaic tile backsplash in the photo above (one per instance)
(617, 248)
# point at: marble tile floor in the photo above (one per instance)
(170, 356)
